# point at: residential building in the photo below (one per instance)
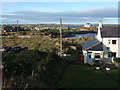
(105, 46)
(87, 25)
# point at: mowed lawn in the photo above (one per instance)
(79, 76)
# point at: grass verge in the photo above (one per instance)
(77, 76)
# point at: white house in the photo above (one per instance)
(105, 46)
(88, 25)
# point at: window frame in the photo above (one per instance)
(114, 43)
(96, 55)
(109, 54)
(113, 54)
(109, 41)
(90, 57)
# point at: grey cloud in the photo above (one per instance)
(104, 12)
(73, 16)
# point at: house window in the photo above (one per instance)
(97, 55)
(113, 54)
(113, 41)
(108, 48)
(108, 41)
(109, 54)
(89, 56)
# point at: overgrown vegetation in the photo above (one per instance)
(31, 69)
(54, 33)
(39, 66)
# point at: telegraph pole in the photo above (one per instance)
(60, 37)
(17, 25)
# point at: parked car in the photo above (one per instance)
(6, 49)
(2, 50)
(16, 49)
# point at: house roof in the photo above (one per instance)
(93, 45)
(110, 31)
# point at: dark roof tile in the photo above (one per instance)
(110, 31)
(93, 45)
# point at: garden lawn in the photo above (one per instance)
(79, 76)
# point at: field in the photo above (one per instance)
(79, 76)
(40, 64)
(39, 40)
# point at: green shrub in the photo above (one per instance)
(117, 59)
(37, 46)
(32, 67)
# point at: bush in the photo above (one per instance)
(117, 59)
(32, 67)
(51, 69)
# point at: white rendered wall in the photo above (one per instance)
(86, 57)
(113, 47)
(119, 47)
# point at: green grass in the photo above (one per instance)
(41, 43)
(77, 76)
(0, 62)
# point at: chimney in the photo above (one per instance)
(98, 36)
(100, 24)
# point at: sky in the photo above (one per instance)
(51, 12)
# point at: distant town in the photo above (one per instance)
(27, 27)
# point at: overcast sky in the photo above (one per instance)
(50, 12)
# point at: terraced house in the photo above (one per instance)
(105, 46)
